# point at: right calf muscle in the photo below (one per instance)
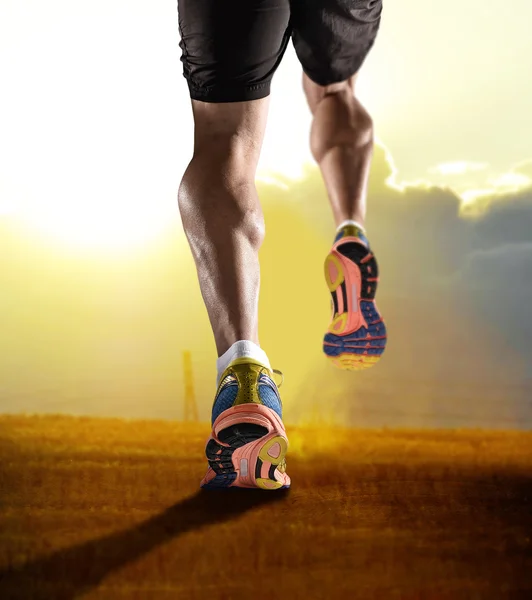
(224, 225)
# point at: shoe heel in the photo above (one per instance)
(247, 449)
(274, 453)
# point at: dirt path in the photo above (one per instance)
(110, 509)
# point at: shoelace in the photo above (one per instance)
(281, 374)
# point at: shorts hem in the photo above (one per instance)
(221, 94)
(337, 77)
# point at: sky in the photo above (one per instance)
(98, 87)
(96, 130)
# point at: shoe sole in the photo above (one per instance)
(247, 449)
(356, 337)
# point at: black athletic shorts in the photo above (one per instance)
(231, 48)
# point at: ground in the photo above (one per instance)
(107, 508)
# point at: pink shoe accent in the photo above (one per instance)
(208, 476)
(333, 271)
(248, 413)
(275, 450)
(353, 284)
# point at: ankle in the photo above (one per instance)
(358, 223)
(351, 229)
(241, 349)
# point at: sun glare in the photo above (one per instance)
(104, 225)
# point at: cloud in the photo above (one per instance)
(500, 185)
(524, 167)
(470, 181)
(502, 219)
(455, 295)
(512, 262)
(499, 284)
(457, 168)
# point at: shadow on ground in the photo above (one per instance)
(72, 572)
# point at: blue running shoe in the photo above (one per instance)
(356, 337)
(248, 443)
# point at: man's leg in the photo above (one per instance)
(230, 53)
(223, 221)
(222, 216)
(332, 41)
(341, 142)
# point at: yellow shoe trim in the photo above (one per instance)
(265, 457)
(353, 362)
(247, 371)
(269, 484)
(339, 323)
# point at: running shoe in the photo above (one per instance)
(356, 336)
(248, 443)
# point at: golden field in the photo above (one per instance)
(110, 509)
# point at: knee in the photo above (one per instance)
(340, 120)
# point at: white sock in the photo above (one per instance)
(350, 222)
(240, 349)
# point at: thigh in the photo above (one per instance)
(231, 48)
(333, 37)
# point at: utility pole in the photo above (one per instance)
(190, 409)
